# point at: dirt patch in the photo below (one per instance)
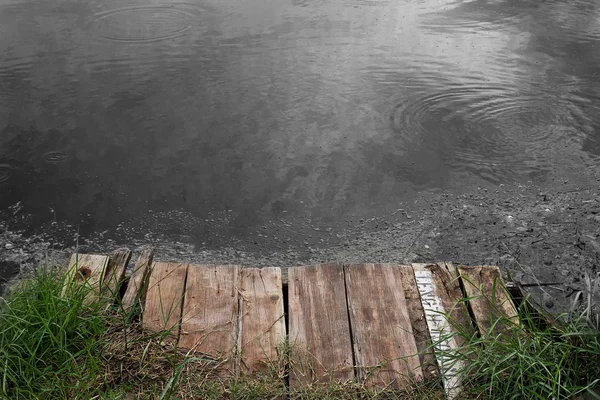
(548, 241)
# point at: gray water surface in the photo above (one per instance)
(111, 110)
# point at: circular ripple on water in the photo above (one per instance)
(55, 157)
(489, 131)
(573, 21)
(472, 17)
(5, 171)
(142, 24)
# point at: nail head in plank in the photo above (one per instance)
(488, 298)
(384, 346)
(210, 311)
(438, 286)
(86, 269)
(138, 283)
(164, 297)
(418, 322)
(262, 323)
(115, 272)
(319, 331)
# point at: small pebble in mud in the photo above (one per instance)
(549, 304)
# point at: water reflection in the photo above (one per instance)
(142, 23)
(264, 108)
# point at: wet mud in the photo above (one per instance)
(546, 239)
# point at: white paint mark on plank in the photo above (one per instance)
(440, 331)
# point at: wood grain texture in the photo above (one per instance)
(419, 324)
(115, 272)
(88, 270)
(319, 331)
(164, 297)
(382, 336)
(447, 281)
(488, 298)
(138, 283)
(443, 304)
(262, 323)
(210, 312)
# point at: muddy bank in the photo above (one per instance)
(547, 237)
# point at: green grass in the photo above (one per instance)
(71, 347)
(48, 342)
(538, 357)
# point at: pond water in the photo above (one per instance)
(113, 110)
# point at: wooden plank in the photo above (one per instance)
(88, 270)
(138, 283)
(210, 312)
(164, 297)
(263, 323)
(447, 280)
(319, 330)
(115, 272)
(444, 309)
(419, 324)
(384, 346)
(488, 298)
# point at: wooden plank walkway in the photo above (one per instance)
(164, 297)
(321, 347)
(384, 345)
(262, 323)
(380, 324)
(87, 270)
(487, 297)
(210, 312)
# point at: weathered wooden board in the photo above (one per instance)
(444, 309)
(262, 318)
(164, 297)
(88, 270)
(488, 298)
(382, 336)
(115, 272)
(138, 283)
(447, 280)
(319, 330)
(418, 322)
(210, 312)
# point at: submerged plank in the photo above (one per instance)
(444, 309)
(488, 298)
(88, 270)
(115, 272)
(164, 297)
(384, 346)
(210, 311)
(418, 322)
(262, 322)
(319, 330)
(138, 283)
